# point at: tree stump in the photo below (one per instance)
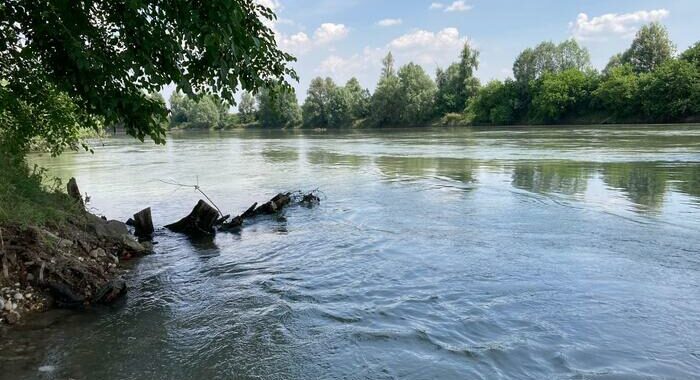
(143, 224)
(74, 191)
(199, 222)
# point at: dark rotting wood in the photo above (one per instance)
(74, 191)
(250, 212)
(143, 224)
(200, 221)
(275, 204)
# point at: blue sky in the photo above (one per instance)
(348, 38)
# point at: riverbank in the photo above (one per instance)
(53, 253)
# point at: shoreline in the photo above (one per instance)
(72, 265)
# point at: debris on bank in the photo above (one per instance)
(73, 265)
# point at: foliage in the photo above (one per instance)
(548, 57)
(93, 62)
(556, 95)
(692, 55)
(326, 105)
(671, 92)
(457, 84)
(417, 95)
(359, 99)
(618, 92)
(278, 107)
(650, 49)
(496, 104)
(385, 107)
(207, 111)
(28, 197)
(246, 108)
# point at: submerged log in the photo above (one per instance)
(199, 222)
(143, 224)
(74, 191)
(275, 204)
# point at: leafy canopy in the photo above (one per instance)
(98, 59)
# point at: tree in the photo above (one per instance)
(359, 99)
(316, 106)
(207, 111)
(614, 62)
(388, 66)
(278, 107)
(99, 59)
(671, 92)
(546, 57)
(618, 92)
(650, 49)
(558, 95)
(457, 84)
(495, 103)
(417, 92)
(385, 105)
(692, 55)
(246, 108)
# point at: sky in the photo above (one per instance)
(345, 38)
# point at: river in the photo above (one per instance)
(525, 253)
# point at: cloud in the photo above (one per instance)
(301, 43)
(436, 6)
(458, 6)
(342, 69)
(389, 22)
(298, 43)
(613, 25)
(429, 48)
(328, 32)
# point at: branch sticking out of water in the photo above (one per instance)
(196, 188)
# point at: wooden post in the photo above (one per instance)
(143, 224)
(74, 191)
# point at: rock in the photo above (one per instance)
(112, 229)
(98, 253)
(12, 317)
(2, 303)
(30, 277)
(133, 246)
(110, 291)
(19, 296)
(7, 306)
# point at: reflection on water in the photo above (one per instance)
(538, 253)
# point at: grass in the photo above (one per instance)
(29, 198)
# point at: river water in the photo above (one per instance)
(538, 253)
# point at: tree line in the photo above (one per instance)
(552, 83)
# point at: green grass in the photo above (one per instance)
(29, 198)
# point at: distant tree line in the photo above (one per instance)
(552, 83)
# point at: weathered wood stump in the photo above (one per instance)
(143, 224)
(74, 191)
(199, 222)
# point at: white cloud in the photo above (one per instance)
(429, 48)
(341, 69)
(436, 6)
(328, 32)
(389, 22)
(458, 6)
(296, 44)
(613, 25)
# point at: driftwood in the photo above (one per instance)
(74, 191)
(199, 222)
(143, 224)
(274, 205)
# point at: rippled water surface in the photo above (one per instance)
(540, 253)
